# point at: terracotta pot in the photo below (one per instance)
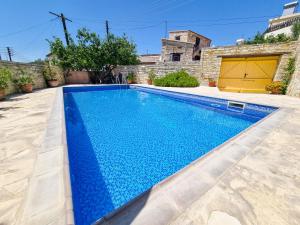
(130, 81)
(52, 83)
(276, 91)
(212, 84)
(149, 82)
(2, 94)
(27, 88)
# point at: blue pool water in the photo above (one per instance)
(121, 142)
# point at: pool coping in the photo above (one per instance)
(257, 131)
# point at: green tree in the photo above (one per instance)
(261, 39)
(296, 30)
(91, 53)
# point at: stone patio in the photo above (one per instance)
(253, 179)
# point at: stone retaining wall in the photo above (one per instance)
(160, 69)
(35, 70)
(294, 87)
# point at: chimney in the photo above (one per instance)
(290, 8)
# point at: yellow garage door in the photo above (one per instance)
(249, 74)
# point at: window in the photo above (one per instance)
(175, 57)
(177, 37)
(197, 43)
(196, 58)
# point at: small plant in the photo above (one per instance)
(151, 77)
(50, 75)
(48, 72)
(5, 77)
(24, 82)
(276, 87)
(177, 79)
(130, 78)
(211, 82)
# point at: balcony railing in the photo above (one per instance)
(283, 24)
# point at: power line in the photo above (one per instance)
(24, 30)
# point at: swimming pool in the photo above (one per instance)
(122, 140)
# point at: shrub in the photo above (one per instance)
(23, 79)
(276, 87)
(296, 30)
(177, 79)
(261, 39)
(48, 72)
(131, 77)
(288, 72)
(5, 76)
(151, 75)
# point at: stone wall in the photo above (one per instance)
(169, 47)
(294, 87)
(35, 70)
(211, 58)
(160, 69)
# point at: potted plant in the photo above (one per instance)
(211, 82)
(24, 82)
(50, 75)
(151, 77)
(5, 76)
(130, 78)
(276, 87)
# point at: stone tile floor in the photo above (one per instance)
(263, 187)
(23, 120)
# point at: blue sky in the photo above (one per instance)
(26, 24)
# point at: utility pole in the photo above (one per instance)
(63, 20)
(107, 28)
(166, 28)
(9, 52)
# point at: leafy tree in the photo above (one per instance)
(296, 30)
(261, 39)
(91, 53)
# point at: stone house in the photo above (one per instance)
(183, 46)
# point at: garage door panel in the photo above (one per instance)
(261, 69)
(232, 69)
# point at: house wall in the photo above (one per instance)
(185, 46)
(169, 47)
(35, 70)
(183, 36)
(187, 36)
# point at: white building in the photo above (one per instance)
(284, 23)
